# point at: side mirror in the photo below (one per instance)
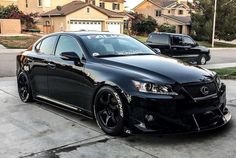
(156, 50)
(70, 56)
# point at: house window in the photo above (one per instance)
(168, 11)
(93, 3)
(115, 6)
(88, 10)
(102, 5)
(26, 4)
(158, 12)
(181, 12)
(40, 3)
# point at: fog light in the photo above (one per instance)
(149, 118)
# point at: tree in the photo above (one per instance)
(143, 25)
(167, 28)
(202, 19)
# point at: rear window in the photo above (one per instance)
(158, 39)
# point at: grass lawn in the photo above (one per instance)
(18, 42)
(226, 73)
(202, 43)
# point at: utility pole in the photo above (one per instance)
(214, 25)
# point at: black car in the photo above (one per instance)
(179, 46)
(121, 83)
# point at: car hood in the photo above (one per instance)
(160, 66)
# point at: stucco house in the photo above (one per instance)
(78, 15)
(167, 11)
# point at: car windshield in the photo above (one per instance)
(111, 45)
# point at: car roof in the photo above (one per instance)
(166, 33)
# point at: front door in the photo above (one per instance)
(66, 79)
(39, 65)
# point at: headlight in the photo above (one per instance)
(154, 88)
(218, 81)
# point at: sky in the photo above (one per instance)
(132, 3)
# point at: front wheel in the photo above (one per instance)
(202, 60)
(109, 111)
(24, 88)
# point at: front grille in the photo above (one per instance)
(195, 90)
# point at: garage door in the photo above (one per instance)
(76, 25)
(114, 27)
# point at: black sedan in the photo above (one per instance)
(121, 83)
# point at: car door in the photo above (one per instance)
(39, 65)
(66, 79)
(189, 50)
(177, 48)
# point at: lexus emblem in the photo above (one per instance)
(204, 90)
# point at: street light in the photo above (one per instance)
(214, 25)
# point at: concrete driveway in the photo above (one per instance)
(40, 131)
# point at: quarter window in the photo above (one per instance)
(47, 45)
(68, 44)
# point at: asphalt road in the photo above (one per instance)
(40, 131)
(8, 59)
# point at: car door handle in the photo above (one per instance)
(174, 48)
(51, 65)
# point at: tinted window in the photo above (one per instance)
(188, 41)
(114, 45)
(177, 40)
(68, 44)
(47, 44)
(159, 39)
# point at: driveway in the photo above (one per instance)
(37, 130)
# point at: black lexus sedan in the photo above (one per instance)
(121, 83)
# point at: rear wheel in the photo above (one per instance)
(109, 111)
(202, 60)
(24, 88)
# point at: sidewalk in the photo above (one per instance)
(218, 66)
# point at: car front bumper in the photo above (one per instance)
(178, 114)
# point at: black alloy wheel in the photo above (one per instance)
(109, 111)
(24, 89)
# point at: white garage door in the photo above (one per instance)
(114, 27)
(76, 25)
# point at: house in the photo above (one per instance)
(78, 15)
(41, 6)
(167, 11)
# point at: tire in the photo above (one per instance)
(109, 111)
(202, 59)
(24, 89)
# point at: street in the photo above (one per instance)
(8, 59)
(38, 130)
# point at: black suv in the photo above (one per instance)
(179, 46)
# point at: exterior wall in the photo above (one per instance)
(34, 8)
(56, 24)
(108, 5)
(10, 26)
(7, 2)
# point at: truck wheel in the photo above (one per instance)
(202, 60)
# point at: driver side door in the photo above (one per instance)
(66, 78)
